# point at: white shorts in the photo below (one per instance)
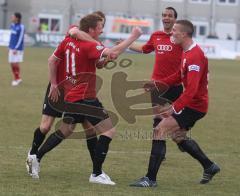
(15, 58)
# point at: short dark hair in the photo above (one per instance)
(187, 27)
(175, 12)
(18, 15)
(89, 21)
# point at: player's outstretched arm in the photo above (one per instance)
(81, 35)
(121, 47)
(136, 47)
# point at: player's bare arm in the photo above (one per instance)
(112, 53)
(53, 63)
(137, 47)
(120, 48)
(81, 35)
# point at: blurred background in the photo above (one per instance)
(66, 170)
(216, 22)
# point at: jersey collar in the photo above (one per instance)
(170, 33)
(191, 47)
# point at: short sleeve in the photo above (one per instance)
(59, 51)
(95, 51)
(149, 46)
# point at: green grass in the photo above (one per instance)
(65, 171)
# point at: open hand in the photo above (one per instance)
(54, 93)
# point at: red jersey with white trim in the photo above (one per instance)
(194, 75)
(167, 55)
(80, 65)
(59, 53)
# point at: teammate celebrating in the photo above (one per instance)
(167, 62)
(190, 107)
(49, 113)
(80, 60)
(16, 47)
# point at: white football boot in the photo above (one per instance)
(101, 179)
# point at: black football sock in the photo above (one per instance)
(91, 144)
(52, 141)
(101, 153)
(156, 121)
(192, 148)
(37, 141)
(158, 153)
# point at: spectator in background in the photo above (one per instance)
(44, 27)
(16, 47)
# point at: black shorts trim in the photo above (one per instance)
(188, 117)
(91, 110)
(47, 109)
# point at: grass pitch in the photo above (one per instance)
(66, 169)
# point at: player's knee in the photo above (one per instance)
(179, 135)
(163, 125)
(179, 142)
(46, 123)
(45, 127)
(110, 133)
(67, 130)
(156, 121)
(160, 132)
(90, 133)
(176, 139)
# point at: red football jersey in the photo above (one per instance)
(194, 75)
(80, 66)
(167, 55)
(59, 53)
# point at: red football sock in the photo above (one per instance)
(16, 71)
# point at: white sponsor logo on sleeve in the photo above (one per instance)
(99, 47)
(194, 68)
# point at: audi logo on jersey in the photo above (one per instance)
(164, 48)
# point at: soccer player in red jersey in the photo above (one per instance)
(48, 113)
(190, 107)
(80, 61)
(167, 62)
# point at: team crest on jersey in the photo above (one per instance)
(99, 47)
(194, 68)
